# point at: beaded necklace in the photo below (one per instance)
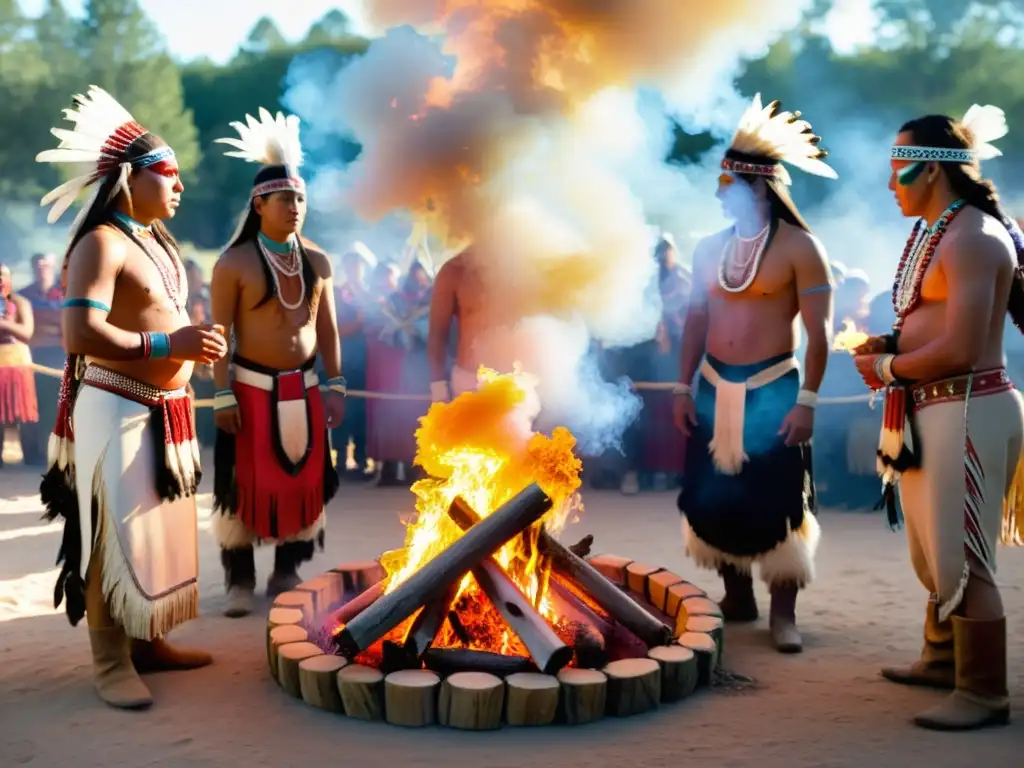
(176, 286)
(283, 258)
(917, 255)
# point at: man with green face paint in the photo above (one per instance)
(953, 427)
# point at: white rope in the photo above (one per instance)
(649, 386)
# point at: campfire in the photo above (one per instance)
(849, 338)
(485, 596)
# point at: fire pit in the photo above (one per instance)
(484, 616)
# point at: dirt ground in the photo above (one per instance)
(824, 708)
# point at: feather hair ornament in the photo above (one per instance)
(97, 145)
(985, 125)
(270, 140)
(767, 137)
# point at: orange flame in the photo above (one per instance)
(849, 338)
(481, 446)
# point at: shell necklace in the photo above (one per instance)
(175, 285)
(283, 259)
(735, 274)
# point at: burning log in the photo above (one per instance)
(410, 697)
(546, 649)
(531, 699)
(428, 623)
(588, 631)
(433, 579)
(318, 682)
(449, 661)
(575, 569)
(343, 615)
(471, 701)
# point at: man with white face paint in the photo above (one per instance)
(748, 493)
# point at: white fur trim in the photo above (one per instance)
(792, 561)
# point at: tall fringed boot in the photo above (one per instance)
(239, 579)
(936, 668)
(157, 655)
(116, 680)
(782, 622)
(980, 698)
(287, 559)
(739, 604)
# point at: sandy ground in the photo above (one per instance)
(827, 707)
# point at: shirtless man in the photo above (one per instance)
(944, 372)
(273, 470)
(748, 493)
(124, 443)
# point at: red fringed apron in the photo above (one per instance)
(273, 476)
(18, 403)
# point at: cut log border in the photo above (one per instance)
(684, 606)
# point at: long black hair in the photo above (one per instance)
(249, 232)
(967, 183)
(103, 206)
(780, 203)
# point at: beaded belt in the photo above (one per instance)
(112, 381)
(989, 382)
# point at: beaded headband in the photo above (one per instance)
(984, 124)
(933, 154)
(755, 169)
(290, 184)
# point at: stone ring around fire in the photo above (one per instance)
(438, 669)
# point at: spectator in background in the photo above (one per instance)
(352, 298)
(383, 368)
(393, 423)
(18, 404)
(202, 382)
(47, 346)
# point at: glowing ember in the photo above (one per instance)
(849, 338)
(481, 447)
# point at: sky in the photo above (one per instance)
(192, 31)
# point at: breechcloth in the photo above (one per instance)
(18, 403)
(748, 497)
(135, 467)
(273, 479)
(967, 433)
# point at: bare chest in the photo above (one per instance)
(153, 278)
(279, 302)
(771, 278)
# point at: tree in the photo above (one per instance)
(265, 36)
(332, 26)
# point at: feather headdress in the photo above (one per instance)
(98, 145)
(270, 141)
(767, 137)
(985, 125)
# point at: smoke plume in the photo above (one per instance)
(534, 131)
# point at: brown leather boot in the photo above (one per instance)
(115, 678)
(158, 655)
(738, 605)
(980, 697)
(936, 667)
(782, 622)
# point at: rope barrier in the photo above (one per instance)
(648, 386)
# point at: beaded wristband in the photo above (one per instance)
(155, 346)
(337, 384)
(883, 369)
(224, 398)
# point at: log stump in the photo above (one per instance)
(679, 592)
(282, 635)
(280, 617)
(700, 606)
(612, 567)
(637, 575)
(318, 681)
(583, 696)
(678, 671)
(289, 656)
(531, 699)
(410, 697)
(324, 589)
(634, 686)
(709, 625)
(471, 701)
(362, 691)
(658, 585)
(303, 601)
(356, 577)
(703, 647)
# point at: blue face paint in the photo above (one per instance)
(910, 174)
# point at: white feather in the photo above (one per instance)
(780, 136)
(270, 140)
(986, 124)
